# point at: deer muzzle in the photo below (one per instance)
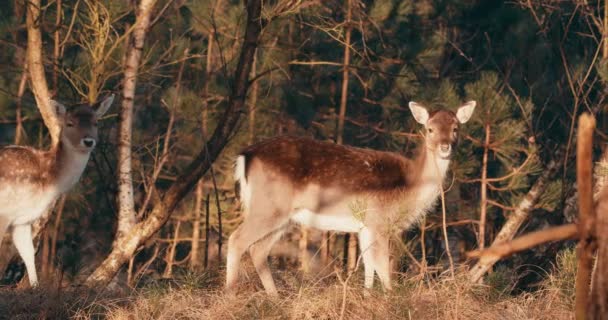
(445, 150)
(88, 143)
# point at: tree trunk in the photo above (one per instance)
(207, 231)
(444, 227)
(325, 248)
(484, 191)
(345, 251)
(205, 113)
(423, 247)
(196, 227)
(126, 204)
(36, 69)
(162, 210)
(18, 117)
(303, 247)
(170, 257)
(55, 232)
(346, 62)
(44, 254)
(352, 240)
(49, 244)
(517, 218)
(57, 47)
(605, 32)
(253, 101)
(219, 224)
(208, 64)
(194, 263)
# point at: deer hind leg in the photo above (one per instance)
(366, 244)
(259, 255)
(22, 238)
(255, 227)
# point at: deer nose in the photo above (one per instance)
(88, 142)
(445, 148)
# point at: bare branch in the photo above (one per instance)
(517, 218)
(525, 242)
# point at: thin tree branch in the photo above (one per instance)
(530, 240)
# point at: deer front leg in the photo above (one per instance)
(366, 243)
(382, 261)
(22, 238)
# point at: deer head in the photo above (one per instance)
(441, 127)
(79, 124)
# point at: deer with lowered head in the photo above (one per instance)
(339, 188)
(31, 179)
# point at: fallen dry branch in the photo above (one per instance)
(530, 240)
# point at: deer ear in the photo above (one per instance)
(104, 106)
(465, 111)
(419, 112)
(58, 108)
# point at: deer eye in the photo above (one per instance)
(70, 124)
(430, 130)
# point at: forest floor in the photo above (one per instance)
(200, 296)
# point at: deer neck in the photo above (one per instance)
(67, 166)
(433, 167)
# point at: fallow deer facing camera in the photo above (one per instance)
(31, 179)
(339, 188)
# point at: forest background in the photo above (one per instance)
(198, 80)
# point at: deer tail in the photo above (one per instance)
(242, 187)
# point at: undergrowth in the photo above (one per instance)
(200, 296)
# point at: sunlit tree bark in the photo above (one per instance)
(36, 71)
(126, 204)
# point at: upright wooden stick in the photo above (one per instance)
(598, 307)
(207, 232)
(586, 245)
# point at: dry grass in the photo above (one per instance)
(19, 304)
(200, 297)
